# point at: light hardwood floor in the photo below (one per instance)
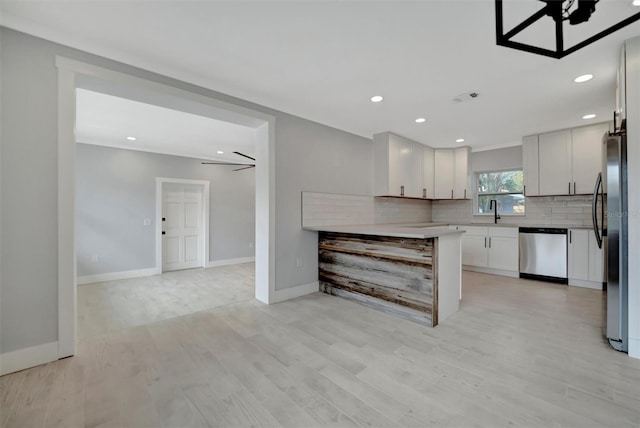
(518, 353)
(113, 305)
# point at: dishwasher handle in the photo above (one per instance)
(546, 230)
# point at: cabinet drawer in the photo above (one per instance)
(505, 232)
(474, 230)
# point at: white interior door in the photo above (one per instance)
(182, 226)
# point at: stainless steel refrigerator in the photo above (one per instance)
(612, 186)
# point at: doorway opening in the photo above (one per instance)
(73, 75)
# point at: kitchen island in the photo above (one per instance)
(409, 271)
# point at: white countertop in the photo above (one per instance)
(421, 230)
(413, 230)
(507, 224)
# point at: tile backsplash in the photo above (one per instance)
(397, 210)
(328, 209)
(325, 209)
(540, 210)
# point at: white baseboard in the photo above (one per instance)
(114, 276)
(297, 291)
(227, 262)
(28, 357)
(586, 284)
(512, 274)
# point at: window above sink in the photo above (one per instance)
(506, 187)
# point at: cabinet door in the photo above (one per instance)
(414, 180)
(587, 150)
(474, 250)
(428, 173)
(621, 87)
(461, 173)
(503, 253)
(530, 165)
(596, 260)
(443, 173)
(578, 254)
(399, 164)
(554, 155)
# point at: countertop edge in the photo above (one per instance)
(389, 230)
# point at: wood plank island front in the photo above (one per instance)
(414, 274)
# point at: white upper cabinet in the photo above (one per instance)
(554, 155)
(415, 172)
(564, 162)
(587, 151)
(621, 88)
(530, 165)
(461, 173)
(398, 164)
(444, 171)
(406, 168)
(452, 173)
(428, 175)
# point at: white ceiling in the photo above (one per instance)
(324, 60)
(107, 120)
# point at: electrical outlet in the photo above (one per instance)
(94, 258)
(298, 262)
(251, 244)
(147, 222)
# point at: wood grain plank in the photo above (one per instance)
(31, 403)
(410, 300)
(11, 386)
(395, 275)
(390, 308)
(518, 353)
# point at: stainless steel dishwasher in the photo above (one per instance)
(543, 254)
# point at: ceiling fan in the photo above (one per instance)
(245, 165)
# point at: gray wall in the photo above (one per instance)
(491, 160)
(309, 156)
(315, 158)
(29, 126)
(116, 191)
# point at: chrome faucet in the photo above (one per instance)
(493, 204)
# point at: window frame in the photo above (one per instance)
(476, 199)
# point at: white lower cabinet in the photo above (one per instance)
(490, 249)
(503, 249)
(474, 250)
(585, 261)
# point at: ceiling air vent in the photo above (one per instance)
(468, 96)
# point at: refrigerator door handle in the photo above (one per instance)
(594, 210)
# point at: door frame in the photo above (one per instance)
(205, 185)
(68, 71)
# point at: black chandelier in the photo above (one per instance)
(559, 10)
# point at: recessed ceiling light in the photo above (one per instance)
(636, 2)
(131, 138)
(421, 120)
(460, 140)
(588, 116)
(583, 78)
(376, 99)
(220, 152)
